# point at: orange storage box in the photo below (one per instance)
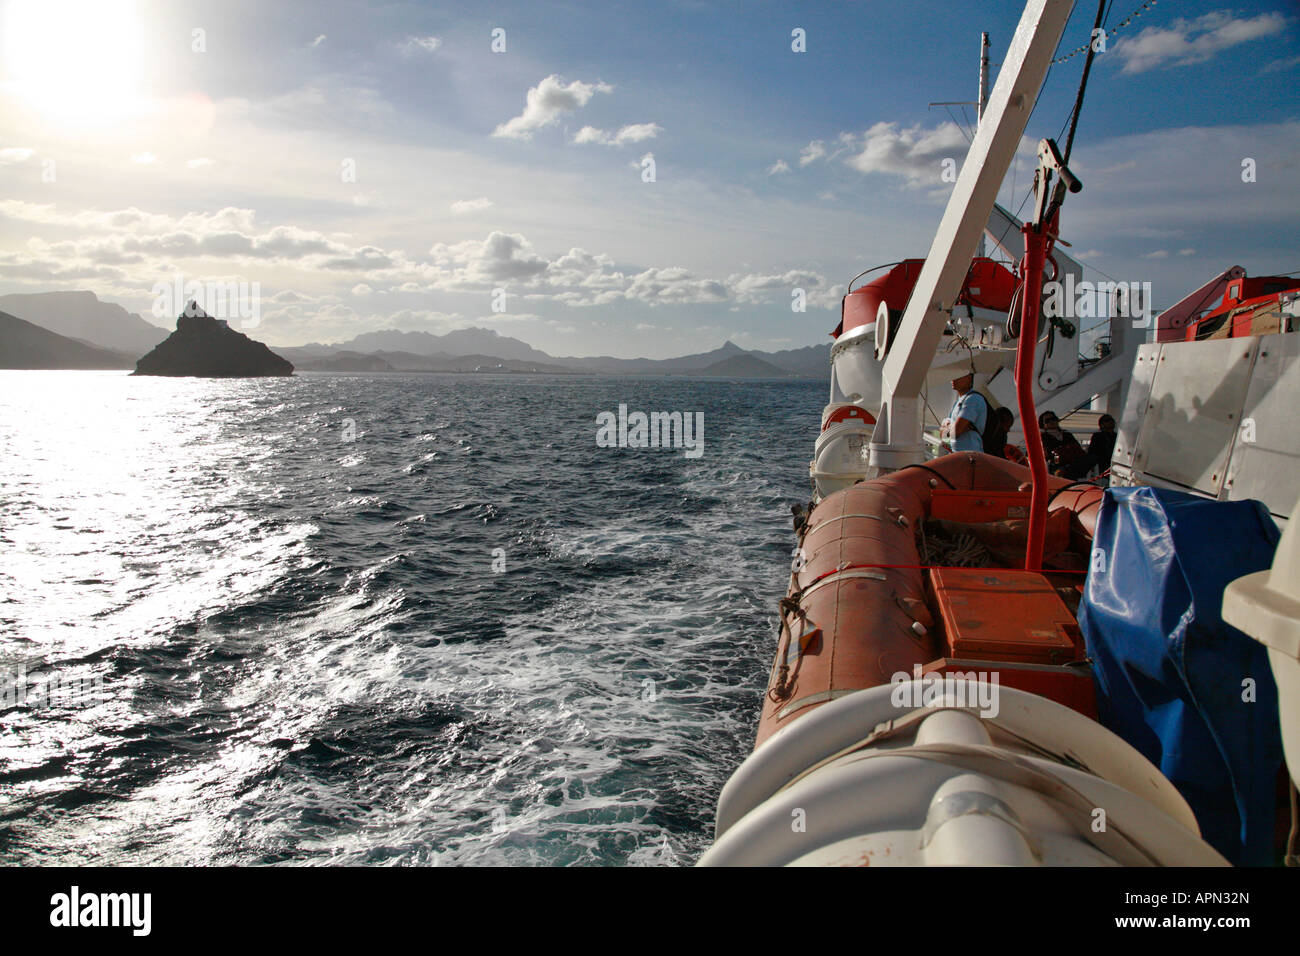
(995, 614)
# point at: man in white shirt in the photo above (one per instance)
(963, 430)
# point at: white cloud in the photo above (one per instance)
(914, 152)
(129, 220)
(462, 206)
(1187, 252)
(144, 159)
(13, 155)
(582, 279)
(131, 247)
(812, 152)
(1285, 63)
(675, 286)
(318, 41)
(1194, 41)
(1158, 254)
(582, 269)
(46, 268)
(198, 162)
(779, 287)
(580, 300)
(325, 100)
(778, 168)
(152, 243)
(500, 258)
(636, 133)
(546, 103)
(414, 45)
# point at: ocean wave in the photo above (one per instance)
(465, 636)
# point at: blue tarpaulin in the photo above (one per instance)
(1194, 695)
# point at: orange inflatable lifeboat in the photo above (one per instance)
(864, 606)
(930, 702)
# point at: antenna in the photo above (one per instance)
(979, 105)
(984, 74)
(984, 101)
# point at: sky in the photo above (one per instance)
(606, 179)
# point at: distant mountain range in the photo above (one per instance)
(27, 346)
(80, 315)
(473, 341)
(467, 349)
(385, 361)
(82, 319)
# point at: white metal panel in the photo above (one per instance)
(1265, 460)
(1135, 404)
(1193, 412)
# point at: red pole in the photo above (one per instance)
(1036, 244)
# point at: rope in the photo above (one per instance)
(1120, 26)
(959, 551)
(1195, 322)
(929, 469)
(1293, 839)
(936, 567)
(1083, 83)
(1073, 484)
(784, 679)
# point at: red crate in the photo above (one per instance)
(976, 506)
(1004, 615)
(1072, 687)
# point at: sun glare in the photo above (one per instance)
(75, 62)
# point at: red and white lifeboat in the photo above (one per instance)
(869, 318)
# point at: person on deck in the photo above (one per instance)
(1065, 456)
(1006, 422)
(964, 428)
(1102, 445)
(995, 434)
